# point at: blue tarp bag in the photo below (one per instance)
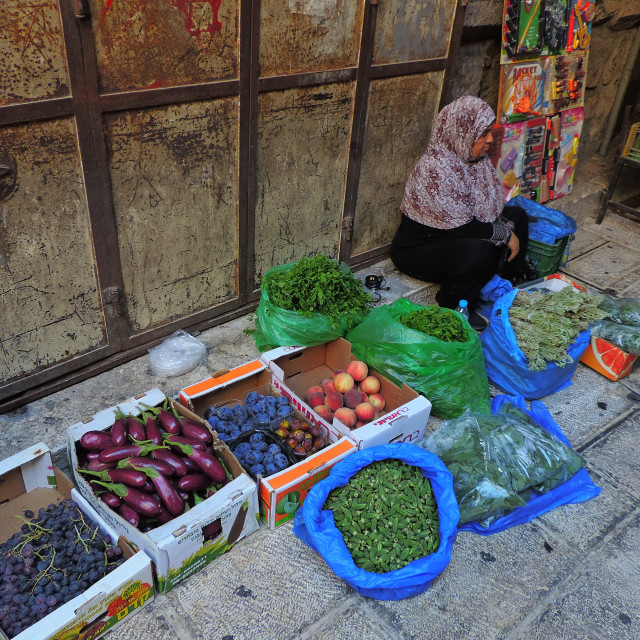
(578, 488)
(508, 367)
(315, 526)
(545, 224)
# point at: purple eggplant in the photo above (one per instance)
(192, 467)
(169, 496)
(167, 420)
(147, 463)
(207, 462)
(131, 516)
(96, 440)
(141, 503)
(171, 439)
(115, 454)
(96, 465)
(110, 499)
(192, 429)
(152, 429)
(148, 487)
(130, 477)
(119, 430)
(194, 482)
(135, 427)
(92, 455)
(177, 463)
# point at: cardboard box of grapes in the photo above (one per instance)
(191, 540)
(91, 584)
(280, 493)
(295, 370)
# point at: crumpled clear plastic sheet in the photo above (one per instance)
(622, 310)
(623, 336)
(177, 355)
(500, 461)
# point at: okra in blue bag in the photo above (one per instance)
(377, 528)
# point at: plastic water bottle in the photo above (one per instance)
(462, 308)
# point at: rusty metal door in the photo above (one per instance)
(162, 155)
(54, 296)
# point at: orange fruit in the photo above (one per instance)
(612, 359)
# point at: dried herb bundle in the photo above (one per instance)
(546, 322)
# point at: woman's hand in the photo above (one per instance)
(514, 246)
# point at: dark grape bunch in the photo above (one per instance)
(55, 556)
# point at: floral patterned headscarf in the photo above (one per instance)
(449, 187)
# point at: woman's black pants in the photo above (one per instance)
(464, 265)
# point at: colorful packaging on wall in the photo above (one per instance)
(581, 14)
(564, 87)
(522, 90)
(532, 157)
(509, 163)
(571, 125)
(522, 29)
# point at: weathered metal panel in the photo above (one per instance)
(49, 298)
(301, 36)
(164, 43)
(32, 52)
(413, 30)
(400, 116)
(174, 174)
(303, 148)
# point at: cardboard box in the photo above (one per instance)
(28, 480)
(607, 359)
(295, 369)
(198, 536)
(291, 485)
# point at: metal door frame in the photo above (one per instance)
(88, 106)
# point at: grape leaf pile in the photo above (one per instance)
(319, 285)
(545, 323)
(55, 556)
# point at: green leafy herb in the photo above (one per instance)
(437, 322)
(318, 285)
(546, 323)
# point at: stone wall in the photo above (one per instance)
(612, 34)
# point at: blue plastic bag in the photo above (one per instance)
(315, 526)
(508, 367)
(545, 224)
(579, 488)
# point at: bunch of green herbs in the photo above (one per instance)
(438, 322)
(545, 323)
(319, 285)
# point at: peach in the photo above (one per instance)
(315, 399)
(334, 400)
(327, 385)
(324, 412)
(311, 390)
(359, 424)
(352, 398)
(343, 382)
(346, 416)
(365, 411)
(358, 370)
(377, 401)
(370, 385)
(364, 396)
(336, 372)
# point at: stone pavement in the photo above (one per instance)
(573, 573)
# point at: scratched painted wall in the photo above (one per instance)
(49, 300)
(413, 30)
(303, 146)
(309, 35)
(174, 177)
(400, 116)
(163, 43)
(32, 52)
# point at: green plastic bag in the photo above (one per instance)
(278, 327)
(451, 375)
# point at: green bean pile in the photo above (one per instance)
(387, 515)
